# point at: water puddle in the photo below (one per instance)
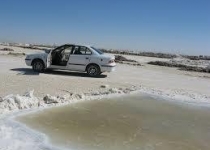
(127, 123)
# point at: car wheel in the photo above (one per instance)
(93, 70)
(38, 66)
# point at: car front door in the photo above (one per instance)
(49, 59)
(79, 58)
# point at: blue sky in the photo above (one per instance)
(177, 26)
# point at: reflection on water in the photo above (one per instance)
(127, 123)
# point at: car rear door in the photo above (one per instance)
(79, 58)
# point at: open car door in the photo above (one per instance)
(49, 59)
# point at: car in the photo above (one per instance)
(73, 57)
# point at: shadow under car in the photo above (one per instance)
(28, 71)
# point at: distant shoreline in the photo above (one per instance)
(115, 51)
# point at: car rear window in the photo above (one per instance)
(97, 50)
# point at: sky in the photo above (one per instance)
(173, 26)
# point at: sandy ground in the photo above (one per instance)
(19, 50)
(17, 78)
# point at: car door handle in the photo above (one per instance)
(87, 58)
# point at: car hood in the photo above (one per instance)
(37, 55)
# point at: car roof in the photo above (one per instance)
(75, 45)
(68, 45)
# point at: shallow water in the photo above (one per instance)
(127, 123)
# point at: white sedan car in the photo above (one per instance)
(73, 57)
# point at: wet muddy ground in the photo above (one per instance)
(135, 122)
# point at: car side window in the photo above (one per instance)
(88, 52)
(85, 51)
(81, 51)
(76, 51)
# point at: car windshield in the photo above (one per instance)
(97, 50)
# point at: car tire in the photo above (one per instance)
(93, 70)
(38, 66)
